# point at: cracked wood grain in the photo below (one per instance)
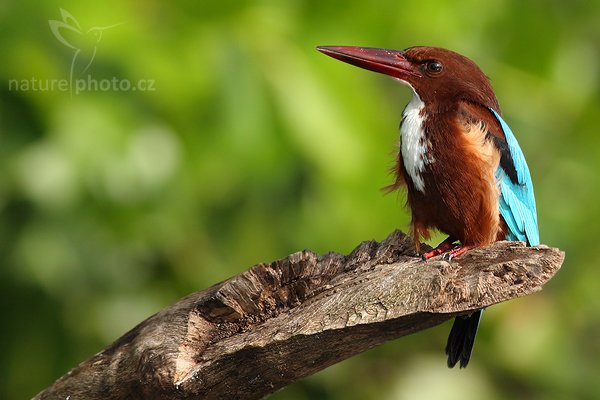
(279, 322)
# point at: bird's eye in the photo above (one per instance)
(434, 66)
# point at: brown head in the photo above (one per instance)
(440, 77)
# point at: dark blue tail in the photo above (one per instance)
(462, 338)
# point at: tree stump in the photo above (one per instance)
(279, 322)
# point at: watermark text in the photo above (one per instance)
(79, 85)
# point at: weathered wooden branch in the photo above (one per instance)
(276, 323)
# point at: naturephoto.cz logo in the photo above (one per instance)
(84, 45)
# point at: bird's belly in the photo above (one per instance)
(461, 196)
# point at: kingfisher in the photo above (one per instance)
(464, 172)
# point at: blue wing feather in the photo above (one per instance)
(517, 201)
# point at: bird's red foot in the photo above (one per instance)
(456, 252)
(444, 247)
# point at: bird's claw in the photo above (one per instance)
(442, 248)
(448, 251)
(456, 252)
(448, 256)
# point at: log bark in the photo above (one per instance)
(276, 323)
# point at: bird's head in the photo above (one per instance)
(438, 76)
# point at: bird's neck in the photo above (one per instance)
(415, 147)
(424, 128)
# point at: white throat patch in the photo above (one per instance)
(414, 144)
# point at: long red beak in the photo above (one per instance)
(385, 61)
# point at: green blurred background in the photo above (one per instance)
(251, 146)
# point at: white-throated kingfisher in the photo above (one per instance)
(463, 169)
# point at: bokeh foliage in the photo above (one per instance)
(252, 146)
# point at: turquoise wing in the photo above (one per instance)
(517, 201)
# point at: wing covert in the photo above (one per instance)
(517, 200)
